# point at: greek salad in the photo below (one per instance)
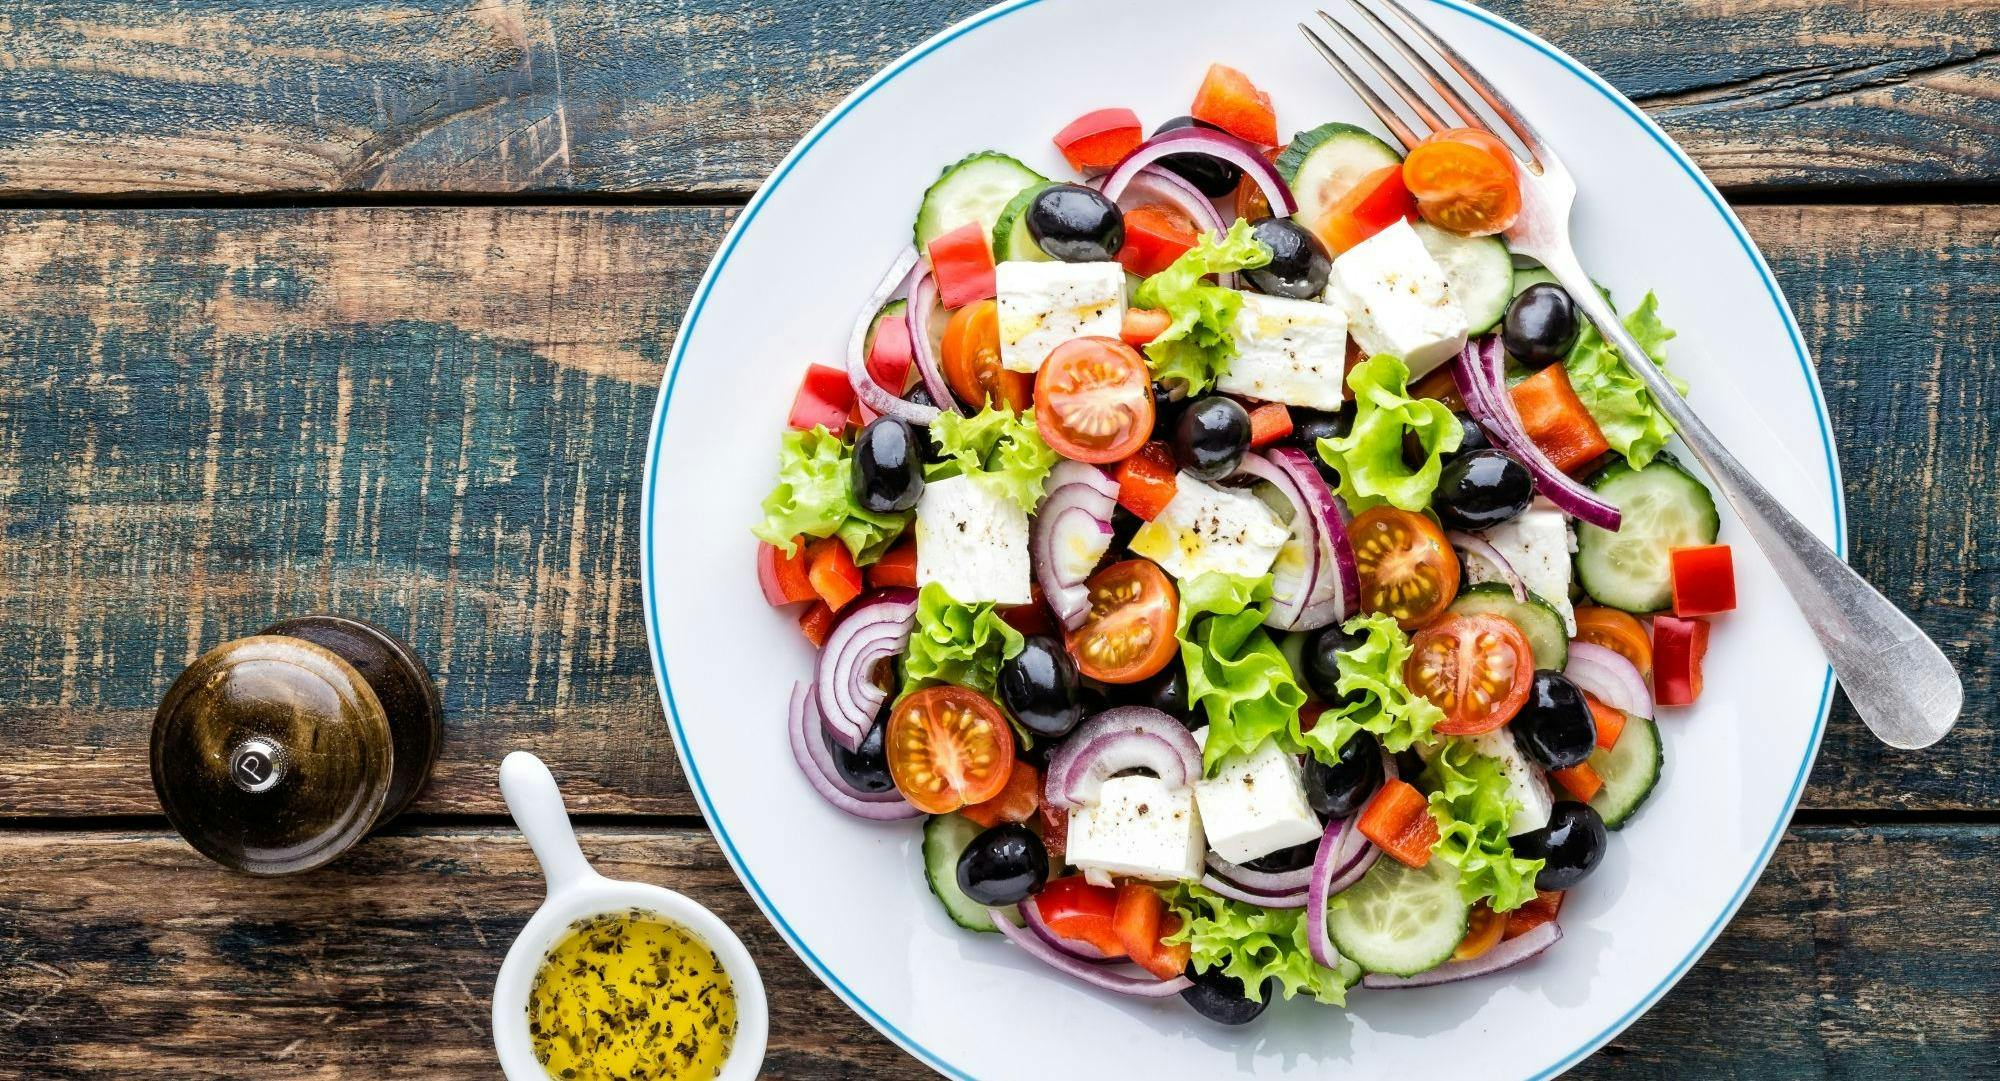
(1258, 581)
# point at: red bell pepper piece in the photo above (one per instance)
(1100, 139)
(1269, 423)
(1704, 580)
(1055, 831)
(824, 400)
(1147, 481)
(891, 355)
(1076, 910)
(1579, 780)
(782, 576)
(1610, 723)
(834, 576)
(1141, 920)
(1155, 236)
(1398, 819)
(1230, 101)
(1541, 910)
(897, 567)
(1554, 417)
(817, 623)
(1678, 648)
(963, 265)
(1379, 200)
(1017, 802)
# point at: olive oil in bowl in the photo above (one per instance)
(631, 996)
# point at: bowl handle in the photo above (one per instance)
(537, 807)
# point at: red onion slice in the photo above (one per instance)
(872, 394)
(1324, 870)
(1260, 881)
(917, 309)
(1296, 576)
(875, 629)
(1506, 955)
(1086, 971)
(1215, 144)
(1084, 752)
(1466, 542)
(1098, 760)
(1339, 579)
(1031, 914)
(1214, 884)
(1608, 676)
(804, 727)
(1071, 533)
(1482, 382)
(822, 756)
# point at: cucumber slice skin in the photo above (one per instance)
(1012, 242)
(1630, 770)
(1543, 626)
(1321, 165)
(945, 839)
(1390, 883)
(1631, 569)
(1524, 277)
(1480, 271)
(975, 188)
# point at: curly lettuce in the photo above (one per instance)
(1236, 673)
(1001, 450)
(1373, 694)
(957, 643)
(1254, 945)
(1200, 343)
(1369, 459)
(814, 497)
(1615, 398)
(1469, 802)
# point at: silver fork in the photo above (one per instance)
(1897, 678)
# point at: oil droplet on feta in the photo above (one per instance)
(629, 995)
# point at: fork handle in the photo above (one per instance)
(1899, 681)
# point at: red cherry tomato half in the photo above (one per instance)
(1129, 633)
(1478, 669)
(1094, 400)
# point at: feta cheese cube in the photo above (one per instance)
(1042, 305)
(972, 542)
(1206, 528)
(1138, 827)
(1525, 784)
(1255, 805)
(1398, 301)
(1537, 544)
(1291, 351)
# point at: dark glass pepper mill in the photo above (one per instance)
(274, 754)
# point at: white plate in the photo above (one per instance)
(849, 896)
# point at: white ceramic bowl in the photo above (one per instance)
(849, 896)
(576, 892)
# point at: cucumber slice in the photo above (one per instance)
(1663, 507)
(1479, 270)
(1011, 240)
(1321, 165)
(1629, 771)
(1400, 920)
(1532, 275)
(945, 839)
(975, 189)
(892, 310)
(1543, 626)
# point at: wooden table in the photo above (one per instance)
(360, 305)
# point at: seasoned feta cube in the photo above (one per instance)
(1398, 301)
(1042, 305)
(1291, 351)
(1255, 805)
(1537, 544)
(1525, 784)
(1138, 827)
(1206, 528)
(972, 542)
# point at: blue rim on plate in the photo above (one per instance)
(654, 604)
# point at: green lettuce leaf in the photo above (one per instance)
(957, 643)
(1469, 801)
(999, 449)
(1370, 458)
(1255, 944)
(1200, 344)
(1620, 404)
(1371, 682)
(1236, 673)
(814, 497)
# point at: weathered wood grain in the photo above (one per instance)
(433, 418)
(592, 95)
(127, 955)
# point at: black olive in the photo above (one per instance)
(1166, 410)
(1220, 998)
(1299, 262)
(1309, 426)
(1481, 490)
(1003, 866)
(1212, 437)
(1541, 326)
(1285, 859)
(1339, 790)
(920, 395)
(866, 768)
(1322, 668)
(1572, 844)
(1555, 726)
(1215, 177)
(1168, 693)
(1038, 686)
(1124, 524)
(1075, 224)
(888, 466)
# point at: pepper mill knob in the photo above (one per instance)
(274, 754)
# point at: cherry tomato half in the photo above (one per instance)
(1476, 668)
(1465, 182)
(948, 747)
(1094, 400)
(971, 360)
(1129, 633)
(1408, 570)
(1618, 632)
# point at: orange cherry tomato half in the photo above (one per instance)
(1618, 632)
(1407, 569)
(971, 360)
(1483, 933)
(948, 747)
(1465, 182)
(1476, 668)
(1129, 633)
(1094, 400)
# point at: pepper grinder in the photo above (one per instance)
(276, 753)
